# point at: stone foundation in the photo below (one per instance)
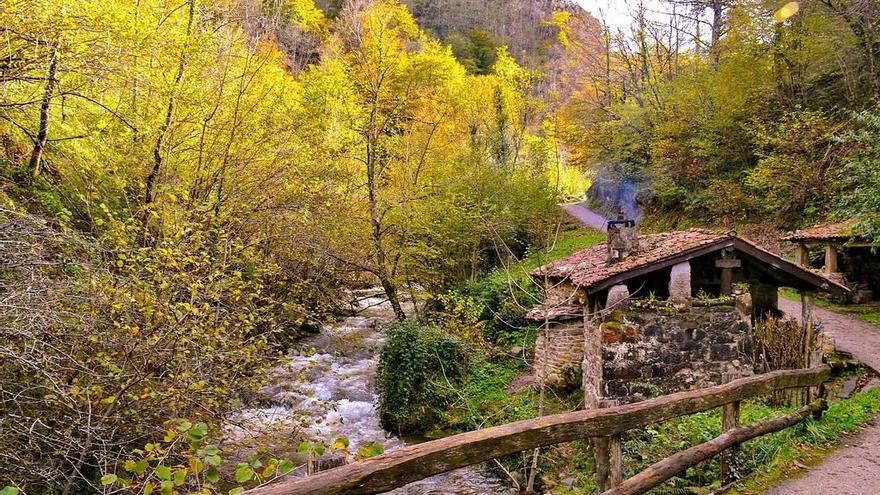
(655, 352)
(652, 351)
(564, 354)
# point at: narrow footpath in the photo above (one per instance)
(587, 217)
(854, 469)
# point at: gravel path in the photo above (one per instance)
(586, 216)
(854, 469)
(859, 338)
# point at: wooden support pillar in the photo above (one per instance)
(830, 259)
(801, 255)
(765, 298)
(729, 421)
(727, 265)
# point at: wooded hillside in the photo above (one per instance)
(190, 183)
(736, 112)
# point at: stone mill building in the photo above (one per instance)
(645, 315)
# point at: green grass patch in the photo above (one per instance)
(771, 457)
(808, 442)
(485, 401)
(568, 242)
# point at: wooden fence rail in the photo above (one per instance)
(416, 462)
(661, 471)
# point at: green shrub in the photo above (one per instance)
(416, 368)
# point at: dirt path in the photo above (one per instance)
(854, 469)
(859, 338)
(586, 216)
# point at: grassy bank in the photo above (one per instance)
(810, 442)
(768, 459)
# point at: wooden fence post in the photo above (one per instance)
(608, 452)
(616, 450)
(602, 452)
(729, 421)
(807, 302)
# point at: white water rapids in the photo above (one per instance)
(326, 389)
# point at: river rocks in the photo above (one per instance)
(310, 326)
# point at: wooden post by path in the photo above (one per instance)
(807, 302)
(729, 421)
(609, 455)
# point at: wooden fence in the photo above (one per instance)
(416, 462)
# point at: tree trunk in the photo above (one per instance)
(169, 114)
(717, 29)
(382, 272)
(43, 131)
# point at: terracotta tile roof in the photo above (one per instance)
(559, 313)
(829, 231)
(589, 266)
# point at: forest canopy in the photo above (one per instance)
(187, 184)
(739, 112)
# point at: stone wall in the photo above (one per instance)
(653, 352)
(564, 354)
(563, 293)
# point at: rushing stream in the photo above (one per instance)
(326, 389)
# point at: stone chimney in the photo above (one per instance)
(623, 239)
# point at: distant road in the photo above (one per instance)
(587, 217)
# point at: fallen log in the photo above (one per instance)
(415, 462)
(661, 471)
